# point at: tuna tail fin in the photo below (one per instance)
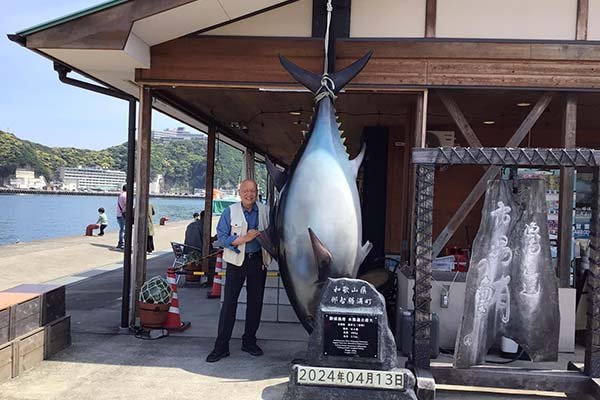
(322, 256)
(279, 177)
(312, 81)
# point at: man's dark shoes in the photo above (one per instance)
(253, 349)
(216, 355)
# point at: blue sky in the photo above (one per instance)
(35, 106)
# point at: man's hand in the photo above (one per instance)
(251, 235)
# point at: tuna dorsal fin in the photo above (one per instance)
(279, 177)
(358, 159)
(322, 256)
(312, 81)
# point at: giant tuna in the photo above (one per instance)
(316, 226)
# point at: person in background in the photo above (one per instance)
(121, 205)
(194, 242)
(239, 226)
(102, 221)
(193, 235)
(150, 243)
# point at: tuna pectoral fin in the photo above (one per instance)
(265, 239)
(362, 253)
(322, 256)
(358, 159)
(312, 81)
(279, 177)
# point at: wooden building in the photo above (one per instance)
(478, 73)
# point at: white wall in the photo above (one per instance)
(594, 20)
(387, 18)
(292, 20)
(507, 19)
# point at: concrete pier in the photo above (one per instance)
(54, 259)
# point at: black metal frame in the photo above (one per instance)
(574, 382)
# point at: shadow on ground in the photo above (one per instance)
(95, 309)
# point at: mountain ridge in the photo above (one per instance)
(182, 163)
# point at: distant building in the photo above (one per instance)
(90, 178)
(157, 184)
(170, 135)
(25, 179)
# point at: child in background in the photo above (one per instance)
(102, 221)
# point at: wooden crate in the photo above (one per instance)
(25, 317)
(24, 312)
(6, 362)
(58, 336)
(28, 351)
(4, 324)
(52, 302)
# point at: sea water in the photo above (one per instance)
(28, 217)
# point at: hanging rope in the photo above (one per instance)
(327, 84)
(329, 11)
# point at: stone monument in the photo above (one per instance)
(511, 286)
(351, 351)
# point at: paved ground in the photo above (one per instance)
(106, 363)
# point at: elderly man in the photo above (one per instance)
(237, 230)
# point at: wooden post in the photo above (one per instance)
(418, 140)
(565, 201)
(209, 185)
(481, 185)
(249, 164)
(582, 20)
(430, 18)
(142, 183)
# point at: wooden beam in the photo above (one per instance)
(565, 201)
(582, 20)
(253, 62)
(142, 193)
(459, 119)
(209, 186)
(480, 187)
(249, 164)
(430, 18)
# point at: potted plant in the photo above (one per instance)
(154, 302)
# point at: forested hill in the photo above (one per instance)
(182, 163)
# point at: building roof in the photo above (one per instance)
(70, 17)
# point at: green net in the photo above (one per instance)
(156, 291)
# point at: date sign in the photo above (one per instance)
(350, 335)
(358, 378)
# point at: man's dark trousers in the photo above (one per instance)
(251, 270)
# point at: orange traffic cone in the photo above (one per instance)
(173, 322)
(218, 278)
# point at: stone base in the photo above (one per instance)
(295, 391)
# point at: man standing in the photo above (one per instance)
(237, 230)
(121, 204)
